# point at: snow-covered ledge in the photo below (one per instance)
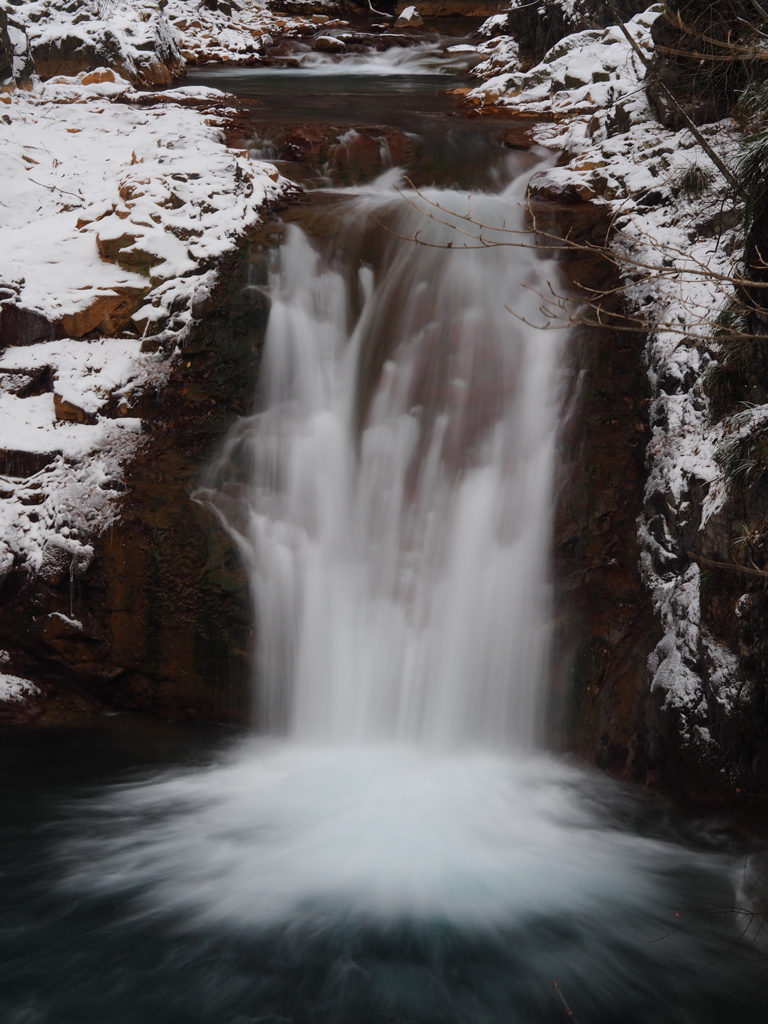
(115, 216)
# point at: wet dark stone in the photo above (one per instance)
(20, 326)
(22, 464)
(6, 52)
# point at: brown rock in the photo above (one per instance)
(107, 313)
(329, 44)
(71, 413)
(98, 77)
(140, 261)
(357, 158)
(305, 143)
(109, 248)
(409, 17)
(551, 190)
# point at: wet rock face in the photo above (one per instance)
(537, 30)
(605, 627)
(158, 617)
(609, 638)
(6, 52)
(347, 157)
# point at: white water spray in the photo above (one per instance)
(400, 508)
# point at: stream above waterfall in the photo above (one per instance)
(392, 842)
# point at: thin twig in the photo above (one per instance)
(568, 1010)
(55, 188)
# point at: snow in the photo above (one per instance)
(496, 23)
(133, 35)
(76, 176)
(502, 54)
(584, 72)
(676, 269)
(14, 688)
(88, 165)
(245, 35)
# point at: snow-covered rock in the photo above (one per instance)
(243, 34)
(14, 688)
(56, 37)
(116, 211)
(539, 27)
(676, 254)
(409, 18)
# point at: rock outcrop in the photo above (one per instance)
(111, 246)
(154, 614)
(61, 38)
(537, 27)
(6, 50)
(663, 631)
(684, 36)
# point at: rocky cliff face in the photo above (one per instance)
(538, 26)
(157, 617)
(605, 623)
(698, 59)
(111, 248)
(6, 51)
(661, 533)
(62, 38)
(661, 537)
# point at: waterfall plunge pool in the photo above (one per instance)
(158, 873)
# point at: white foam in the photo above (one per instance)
(312, 837)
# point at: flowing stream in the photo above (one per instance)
(393, 843)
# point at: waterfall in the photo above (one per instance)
(393, 843)
(400, 491)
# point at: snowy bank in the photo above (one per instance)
(238, 34)
(57, 37)
(116, 212)
(677, 242)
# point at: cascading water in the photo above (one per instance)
(391, 844)
(399, 511)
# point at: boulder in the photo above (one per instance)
(20, 326)
(409, 18)
(305, 143)
(329, 44)
(107, 313)
(70, 413)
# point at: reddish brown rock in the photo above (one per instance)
(305, 143)
(107, 314)
(71, 413)
(109, 248)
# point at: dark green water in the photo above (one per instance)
(94, 929)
